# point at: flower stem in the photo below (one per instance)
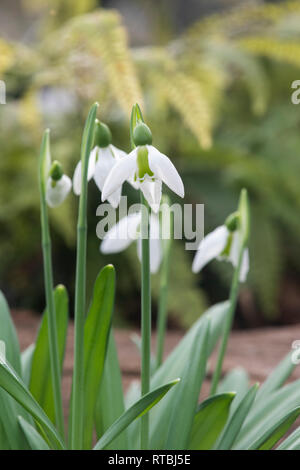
(48, 281)
(163, 295)
(234, 291)
(77, 406)
(146, 317)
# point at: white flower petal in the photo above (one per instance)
(234, 249)
(122, 234)
(118, 153)
(152, 192)
(164, 170)
(91, 171)
(244, 266)
(104, 164)
(121, 171)
(55, 195)
(210, 247)
(234, 256)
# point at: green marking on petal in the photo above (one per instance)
(143, 163)
(56, 171)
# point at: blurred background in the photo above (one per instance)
(214, 79)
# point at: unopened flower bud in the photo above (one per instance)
(103, 137)
(142, 135)
(232, 221)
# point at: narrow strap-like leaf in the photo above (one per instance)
(210, 419)
(137, 410)
(35, 440)
(235, 423)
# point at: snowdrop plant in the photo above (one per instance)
(163, 412)
(102, 159)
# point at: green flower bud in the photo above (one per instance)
(143, 163)
(56, 171)
(142, 135)
(232, 221)
(103, 137)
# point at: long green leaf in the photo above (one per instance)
(235, 423)
(272, 435)
(175, 365)
(277, 377)
(13, 384)
(96, 335)
(236, 380)
(11, 437)
(137, 410)
(35, 440)
(26, 362)
(40, 384)
(265, 413)
(187, 393)
(210, 419)
(9, 336)
(292, 442)
(110, 402)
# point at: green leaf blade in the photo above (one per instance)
(137, 410)
(210, 420)
(96, 336)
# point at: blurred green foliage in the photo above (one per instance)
(218, 101)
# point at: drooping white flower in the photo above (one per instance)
(102, 159)
(146, 168)
(222, 244)
(126, 231)
(58, 186)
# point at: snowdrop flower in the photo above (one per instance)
(102, 159)
(146, 169)
(222, 243)
(126, 231)
(58, 185)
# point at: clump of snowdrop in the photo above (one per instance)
(126, 231)
(102, 159)
(223, 243)
(146, 169)
(58, 185)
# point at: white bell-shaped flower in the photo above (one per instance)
(126, 231)
(223, 245)
(102, 159)
(146, 168)
(58, 186)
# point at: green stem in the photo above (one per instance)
(146, 317)
(234, 292)
(163, 296)
(77, 408)
(53, 343)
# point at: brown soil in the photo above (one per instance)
(258, 351)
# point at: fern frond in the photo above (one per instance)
(274, 48)
(242, 19)
(188, 97)
(95, 47)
